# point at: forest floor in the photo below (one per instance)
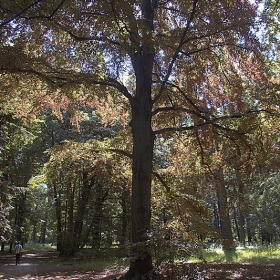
(45, 265)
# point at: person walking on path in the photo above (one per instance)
(18, 249)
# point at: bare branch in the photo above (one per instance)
(56, 9)
(38, 16)
(213, 121)
(177, 51)
(122, 152)
(185, 96)
(92, 38)
(161, 181)
(60, 77)
(180, 128)
(20, 13)
(275, 6)
(29, 71)
(169, 109)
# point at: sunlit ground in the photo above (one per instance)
(250, 254)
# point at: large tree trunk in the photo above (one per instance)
(143, 142)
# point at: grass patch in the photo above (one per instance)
(251, 254)
(32, 246)
(93, 265)
(112, 257)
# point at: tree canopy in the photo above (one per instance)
(194, 68)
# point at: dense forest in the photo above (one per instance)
(139, 125)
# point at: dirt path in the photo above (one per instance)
(44, 266)
(47, 266)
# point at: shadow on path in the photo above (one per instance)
(44, 265)
(32, 266)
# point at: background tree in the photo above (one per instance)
(6, 189)
(81, 179)
(41, 223)
(264, 218)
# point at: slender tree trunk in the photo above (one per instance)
(236, 221)
(58, 220)
(20, 216)
(249, 231)
(225, 223)
(85, 237)
(216, 220)
(242, 228)
(97, 218)
(95, 225)
(34, 233)
(81, 210)
(11, 247)
(241, 207)
(70, 220)
(44, 231)
(125, 222)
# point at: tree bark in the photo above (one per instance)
(242, 228)
(241, 207)
(97, 218)
(225, 223)
(143, 143)
(81, 211)
(2, 247)
(43, 231)
(57, 199)
(125, 223)
(216, 220)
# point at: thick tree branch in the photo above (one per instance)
(61, 78)
(120, 87)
